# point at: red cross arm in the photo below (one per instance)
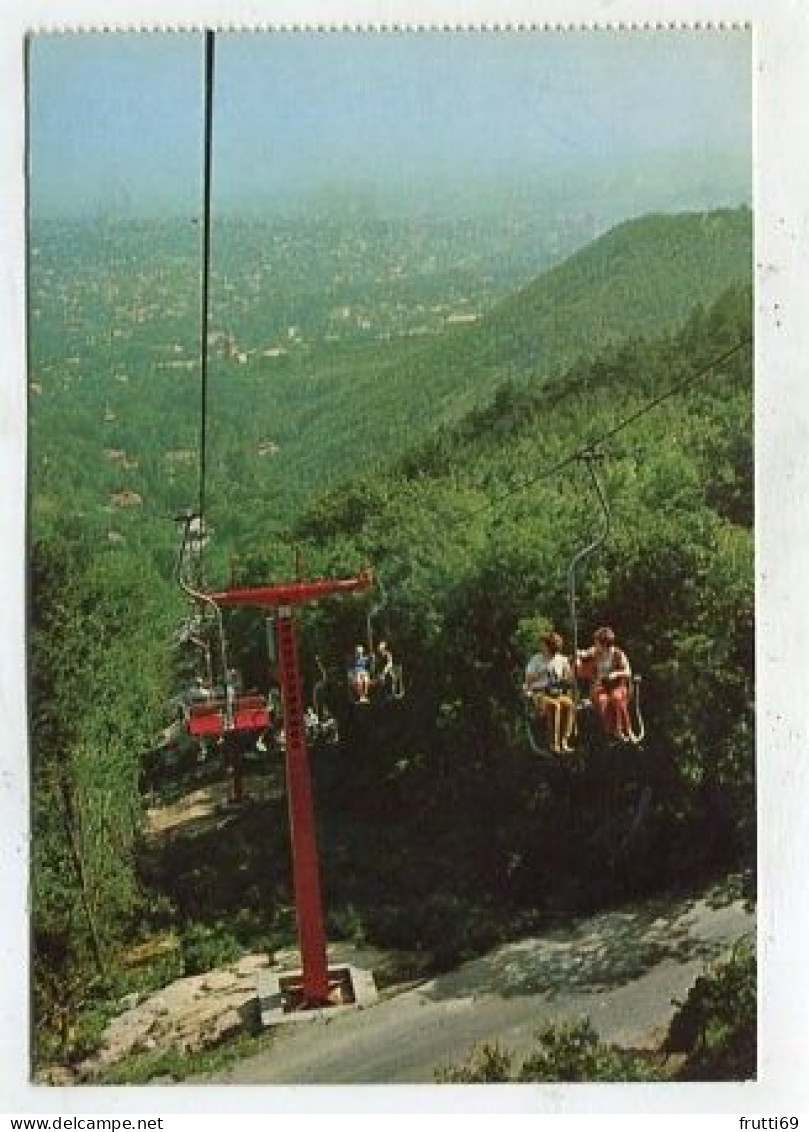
(292, 593)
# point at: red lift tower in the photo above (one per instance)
(315, 989)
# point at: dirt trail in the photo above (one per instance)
(203, 808)
(622, 969)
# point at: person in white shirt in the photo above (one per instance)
(548, 681)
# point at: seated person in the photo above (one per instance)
(611, 674)
(233, 688)
(360, 674)
(548, 679)
(193, 698)
(328, 726)
(200, 691)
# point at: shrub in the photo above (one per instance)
(572, 1051)
(487, 1064)
(566, 1051)
(716, 1025)
(205, 948)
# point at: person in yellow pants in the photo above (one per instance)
(548, 679)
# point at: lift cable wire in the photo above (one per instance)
(546, 473)
(206, 266)
(586, 450)
(593, 445)
(554, 469)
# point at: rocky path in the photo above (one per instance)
(622, 969)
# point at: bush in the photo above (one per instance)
(204, 948)
(566, 1051)
(572, 1051)
(486, 1064)
(346, 922)
(716, 1025)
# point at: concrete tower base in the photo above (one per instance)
(280, 995)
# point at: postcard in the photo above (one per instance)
(402, 641)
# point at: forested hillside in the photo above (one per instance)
(114, 344)
(644, 273)
(356, 411)
(473, 564)
(440, 829)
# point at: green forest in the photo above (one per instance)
(448, 465)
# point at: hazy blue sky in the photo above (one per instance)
(115, 120)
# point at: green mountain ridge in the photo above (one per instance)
(642, 277)
(341, 410)
(654, 267)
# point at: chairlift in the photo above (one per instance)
(582, 670)
(373, 676)
(321, 726)
(221, 708)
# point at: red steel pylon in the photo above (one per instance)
(305, 869)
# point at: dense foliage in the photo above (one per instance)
(97, 685)
(470, 560)
(716, 1025)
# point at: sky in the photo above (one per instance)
(115, 120)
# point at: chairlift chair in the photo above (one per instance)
(230, 711)
(387, 686)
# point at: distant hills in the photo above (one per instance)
(283, 429)
(640, 279)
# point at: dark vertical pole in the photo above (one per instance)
(305, 873)
(235, 765)
(206, 262)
